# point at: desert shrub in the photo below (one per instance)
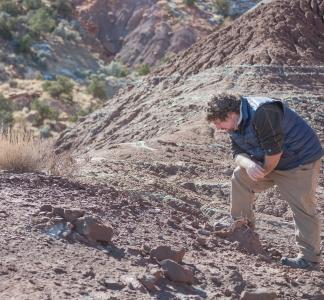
(97, 88)
(22, 152)
(13, 83)
(24, 43)
(81, 113)
(45, 132)
(116, 69)
(222, 7)
(143, 69)
(6, 27)
(59, 87)
(44, 110)
(63, 8)
(32, 4)
(189, 2)
(6, 110)
(41, 21)
(10, 7)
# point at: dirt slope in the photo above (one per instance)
(279, 33)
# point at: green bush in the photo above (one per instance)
(6, 110)
(10, 7)
(143, 69)
(97, 88)
(41, 21)
(81, 113)
(6, 27)
(62, 88)
(63, 8)
(189, 2)
(44, 110)
(13, 83)
(222, 7)
(116, 69)
(32, 4)
(24, 43)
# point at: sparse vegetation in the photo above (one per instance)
(24, 43)
(42, 21)
(22, 152)
(97, 88)
(81, 113)
(222, 7)
(189, 2)
(10, 7)
(143, 69)
(116, 69)
(13, 84)
(32, 4)
(63, 8)
(6, 110)
(44, 110)
(61, 88)
(6, 26)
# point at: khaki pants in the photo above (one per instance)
(297, 187)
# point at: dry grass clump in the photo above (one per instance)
(20, 151)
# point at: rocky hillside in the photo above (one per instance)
(146, 31)
(246, 56)
(152, 139)
(83, 41)
(156, 180)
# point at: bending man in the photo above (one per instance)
(273, 145)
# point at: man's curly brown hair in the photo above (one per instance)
(220, 105)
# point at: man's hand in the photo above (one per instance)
(254, 170)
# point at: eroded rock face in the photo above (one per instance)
(252, 56)
(276, 33)
(143, 31)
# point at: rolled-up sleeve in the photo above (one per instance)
(268, 125)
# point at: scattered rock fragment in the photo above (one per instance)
(46, 208)
(133, 284)
(112, 284)
(177, 272)
(258, 294)
(148, 281)
(165, 252)
(157, 273)
(93, 229)
(71, 215)
(241, 232)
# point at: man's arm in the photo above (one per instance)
(268, 125)
(270, 162)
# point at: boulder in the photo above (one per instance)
(94, 229)
(165, 252)
(258, 294)
(177, 272)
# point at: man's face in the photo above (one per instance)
(229, 124)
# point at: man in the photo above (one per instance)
(273, 145)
